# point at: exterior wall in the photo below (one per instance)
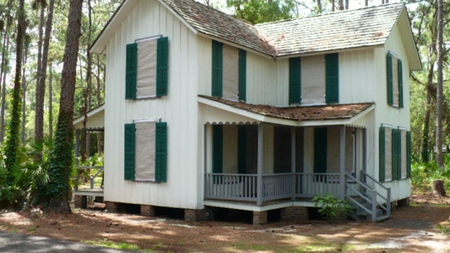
(178, 109)
(386, 114)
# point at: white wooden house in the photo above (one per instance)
(204, 110)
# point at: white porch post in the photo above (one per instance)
(342, 164)
(293, 160)
(259, 185)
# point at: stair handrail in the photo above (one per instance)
(373, 194)
(386, 208)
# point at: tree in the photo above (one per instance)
(58, 189)
(440, 85)
(12, 141)
(259, 11)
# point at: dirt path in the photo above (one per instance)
(411, 229)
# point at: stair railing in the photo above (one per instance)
(387, 199)
(370, 199)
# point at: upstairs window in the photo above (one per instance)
(229, 66)
(146, 151)
(314, 79)
(147, 68)
(395, 154)
(394, 73)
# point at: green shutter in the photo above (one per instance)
(382, 155)
(320, 150)
(242, 149)
(242, 75)
(131, 71)
(389, 74)
(217, 149)
(396, 154)
(130, 151)
(295, 74)
(408, 154)
(400, 83)
(217, 69)
(332, 78)
(162, 66)
(161, 152)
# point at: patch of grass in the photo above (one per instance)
(32, 229)
(110, 244)
(444, 227)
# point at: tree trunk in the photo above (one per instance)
(3, 77)
(12, 141)
(40, 90)
(50, 104)
(58, 189)
(439, 188)
(24, 96)
(440, 85)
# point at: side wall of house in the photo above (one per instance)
(385, 114)
(178, 109)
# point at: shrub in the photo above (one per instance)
(332, 208)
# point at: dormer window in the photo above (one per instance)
(228, 72)
(394, 69)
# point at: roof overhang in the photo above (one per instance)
(304, 116)
(95, 119)
(404, 26)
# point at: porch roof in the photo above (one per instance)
(338, 114)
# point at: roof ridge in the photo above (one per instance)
(331, 13)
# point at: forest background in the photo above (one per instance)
(35, 69)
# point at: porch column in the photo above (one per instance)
(259, 182)
(293, 160)
(342, 185)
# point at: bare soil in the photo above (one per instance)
(418, 228)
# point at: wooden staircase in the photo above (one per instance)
(367, 202)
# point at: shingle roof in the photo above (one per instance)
(339, 30)
(301, 113)
(364, 27)
(215, 23)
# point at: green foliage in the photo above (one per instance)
(424, 174)
(259, 11)
(331, 207)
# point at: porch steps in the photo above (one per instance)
(360, 214)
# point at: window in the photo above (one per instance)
(146, 151)
(229, 66)
(394, 74)
(395, 154)
(147, 68)
(314, 79)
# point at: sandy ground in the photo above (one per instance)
(417, 228)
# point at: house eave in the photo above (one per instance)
(79, 120)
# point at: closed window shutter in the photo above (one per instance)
(242, 75)
(400, 83)
(131, 71)
(295, 74)
(162, 66)
(408, 153)
(130, 151)
(217, 149)
(242, 149)
(396, 154)
(217, 69)
(161, 152)
(382, 154)
(320, 150)
(390, 91)
(332, 78)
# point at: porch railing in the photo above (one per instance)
(244, 187)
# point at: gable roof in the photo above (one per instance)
(366, 27)
(338, 30)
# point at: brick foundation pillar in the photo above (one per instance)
(259, 218)
(147, 210)
(80, 201)
(111, 207)
(194, 214)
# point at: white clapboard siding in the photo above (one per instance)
(178, 109)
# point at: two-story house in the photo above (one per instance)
(207, 111)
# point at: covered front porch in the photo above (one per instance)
(263, 163)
